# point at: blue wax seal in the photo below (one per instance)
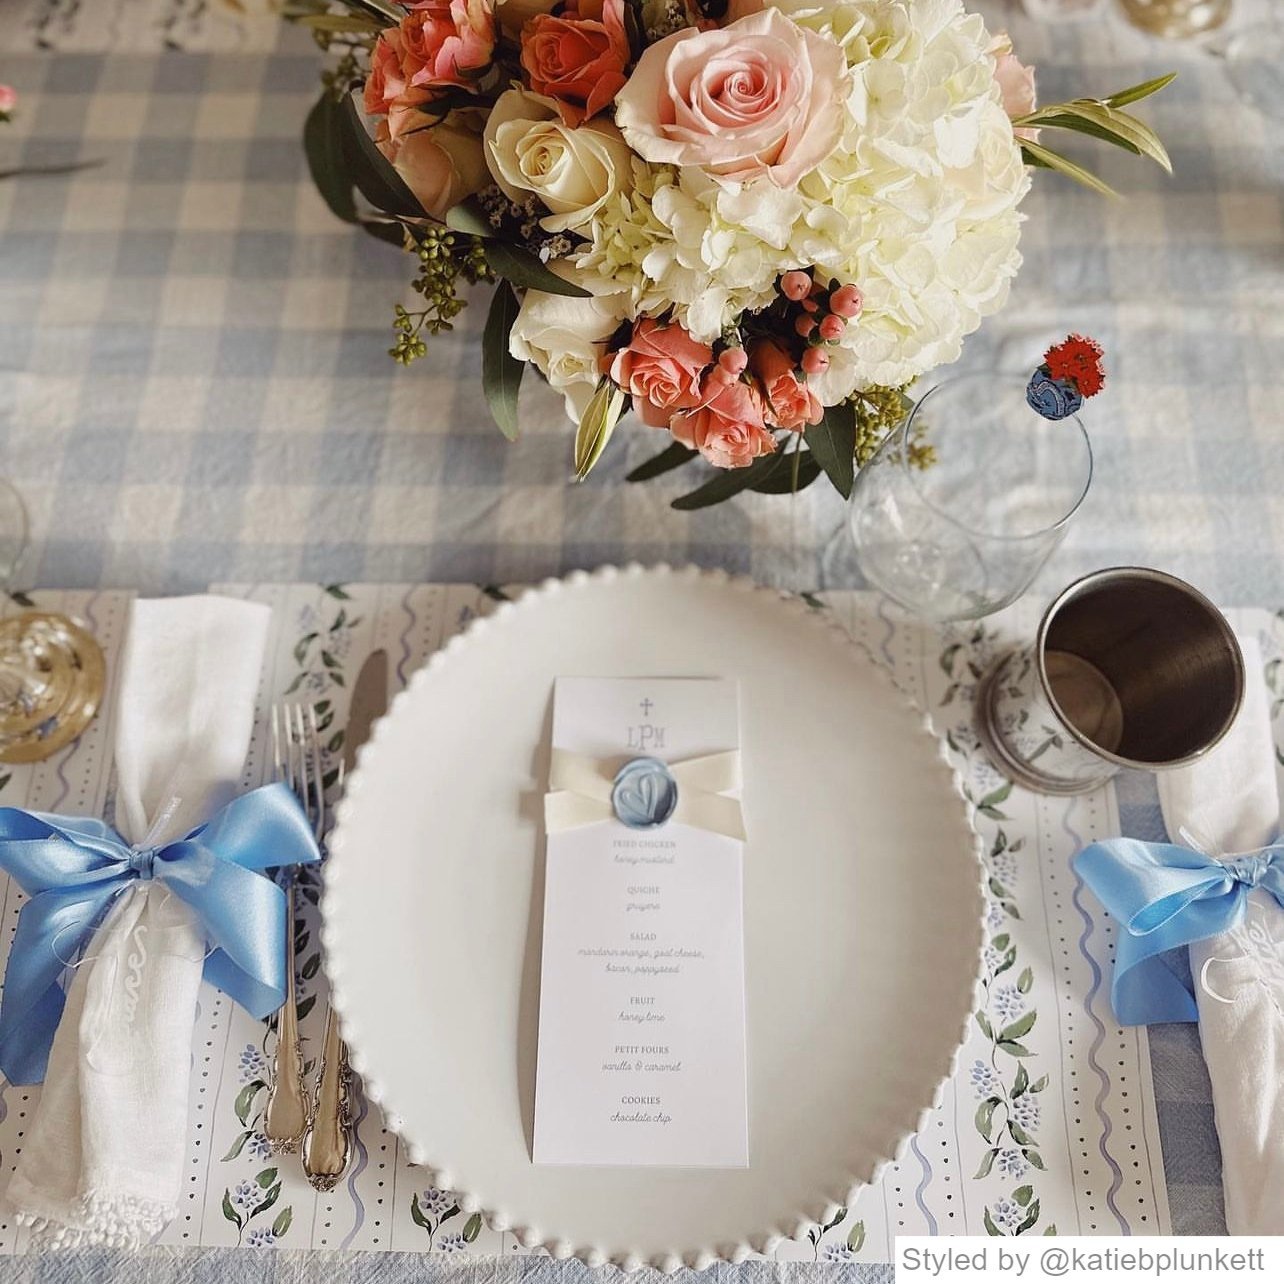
(645, 794)
(1052, 398)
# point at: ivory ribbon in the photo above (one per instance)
(581, 789)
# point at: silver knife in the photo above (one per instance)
(327, 1143)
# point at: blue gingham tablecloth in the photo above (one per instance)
(194, 382)
(194, 387)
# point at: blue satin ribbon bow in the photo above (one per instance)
(72, 868)
(1165, 896)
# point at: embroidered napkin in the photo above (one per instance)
(103, 1159)
(1225, 804)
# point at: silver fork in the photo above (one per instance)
(296, 758)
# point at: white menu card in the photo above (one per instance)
(642, 993)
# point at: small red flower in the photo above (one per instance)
(1078, 361)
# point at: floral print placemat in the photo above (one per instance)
(1049, 1127)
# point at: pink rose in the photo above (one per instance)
(790, 403)
(728, 431)
(8, 100)
(386, 82)
(449, 40)
(1016, 83)
(441, 165)
(661, 369)
(440, 43)
(761, 96)
(579, 62)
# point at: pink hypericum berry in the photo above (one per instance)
(832, 327)
(805, 325)
(815, 361)
(810, 305)
(847, 301)
(734, 361)
(795, 286)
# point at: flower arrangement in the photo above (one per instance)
(754, 222)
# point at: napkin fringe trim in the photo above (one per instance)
(113, 1220)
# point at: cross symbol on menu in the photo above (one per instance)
(646, 706)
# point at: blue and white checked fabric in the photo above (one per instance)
(194, 382)
(194, 386)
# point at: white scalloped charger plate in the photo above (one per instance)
(863, 912)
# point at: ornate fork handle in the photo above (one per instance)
(286, 1118)
(327, 1143)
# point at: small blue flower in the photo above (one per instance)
(252, 1065)
(1012, 1163)
(995, 916)
(434, 1202)
(257, 1146)
(645, 795)
(451, 1244)
(838, 1252)
(1052, 398)
(1006, 1214)
(984, 1080)
(1009, 1002)
(1025, 1111)
(246, 1194)
(1004, 866)
(260, 1237)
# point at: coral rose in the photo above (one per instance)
(728, 430)
(448, 42)
(661, 369)
(441, 165)
(761, 96)
(578, 62)
(790, 403)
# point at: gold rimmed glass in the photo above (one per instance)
(52, 674)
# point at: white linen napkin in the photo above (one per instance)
(104, 1156)
(1226, 804)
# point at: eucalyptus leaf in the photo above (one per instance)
(472, 1228)
(371, 170)
(282, 1223)
(468, 216)
(730, 483)
(782, 480)
(525, 269)
(833, 443)
(671, 457)
(856, 1237)
(335, 23)
(390, 233)
(323, 145)
(1118, 127)
(1136, 93)
(596, 427)
(501, 371)
(1053, 160)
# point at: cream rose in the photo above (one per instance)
(574, 172)
(761, 96)
(565, 339)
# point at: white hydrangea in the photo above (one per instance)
(918, 206)
(679, 238)
(929, 180)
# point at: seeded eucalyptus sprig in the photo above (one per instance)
(1101, 118)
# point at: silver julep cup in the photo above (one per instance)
(1130, 668)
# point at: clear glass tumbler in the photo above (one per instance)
(966, 500)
